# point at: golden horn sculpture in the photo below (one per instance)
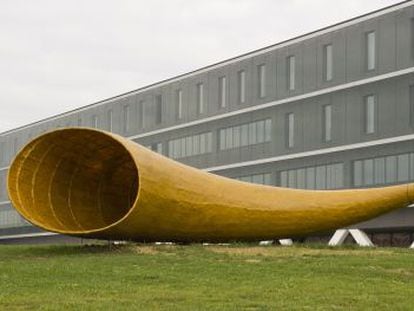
(90, 183)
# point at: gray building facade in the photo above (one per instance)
(330, 109)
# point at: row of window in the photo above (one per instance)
(263, 179)
(318, 177)
(328, 73)
(190, 145)
(245, 135)
(383, 170)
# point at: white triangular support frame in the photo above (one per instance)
(412, 246)
(360, 237)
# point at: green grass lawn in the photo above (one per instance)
(195, 277)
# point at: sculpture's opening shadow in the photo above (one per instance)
(74, 180)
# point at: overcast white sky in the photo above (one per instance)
(59, 55)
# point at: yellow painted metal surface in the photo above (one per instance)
(90, 183)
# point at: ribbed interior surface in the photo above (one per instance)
(74, 180)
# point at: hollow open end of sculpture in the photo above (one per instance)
(74, 180)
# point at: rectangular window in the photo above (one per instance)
(179, 104)
(321, 177)
(357, 173)
(327, 122)
(125, 121)
(2, 154)
(222, 91)
(200, 98)
(244, 135)
(403, 173)
(95, 121)
(368, 172)
(328, 62)
(189, 146)
(241, 83)
(412, 37)
(369, 114)
(379, 171)
(370, 50)
(301, 178)
(109, 120)
(290, 130)
(411, 103)
(310, 178)
(284, 179)
(158, 148)
(261, 79)
(158, 109)
(291, 73)
(141, 116)
(390, 169)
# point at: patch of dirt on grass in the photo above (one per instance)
(146, 250)
(295, 251)
(253, 260)
(154, 249)
(400, 271)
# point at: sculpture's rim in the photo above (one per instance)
(114, 138)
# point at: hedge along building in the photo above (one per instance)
(327, 110)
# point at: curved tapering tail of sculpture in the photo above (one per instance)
(90, 183)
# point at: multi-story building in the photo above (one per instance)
(327, 110)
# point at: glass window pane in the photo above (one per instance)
(291, 73)
(209, 139)
(242, 86)
(258, 179)
(222, 139)
(357, 173)
(321, 177)
(327, 122)
(368, 172)
(267, 179)
(290, 119)
(158, 109)
(268, 130)
(200, 97)
(411, 166)
(261, 69)
(329, 177)
(196, 147)
(260, 131)
(203, 143)
(283, 179)
(379, 171)
(370, 50)
(229, 138)
(391, 169)
(301, 178)
(328, 62)
(369, 114)
(339, 176)
(244, 135)
(236, 136)
(292, 178)
(252, 133)
(403, 168)
(310, 178)
(222, 92)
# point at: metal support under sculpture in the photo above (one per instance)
(90, 183)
